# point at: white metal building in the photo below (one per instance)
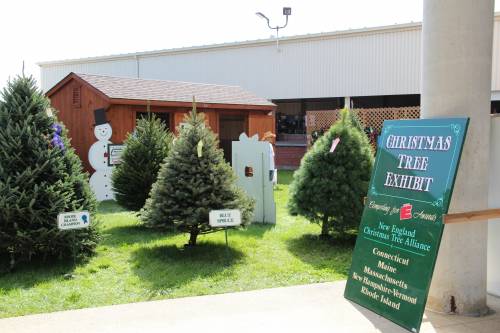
(365, 62)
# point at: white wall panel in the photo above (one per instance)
(495, 77)
(52, 74)
(494, 202)
(376, 64)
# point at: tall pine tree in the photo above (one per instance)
(40, 177)
(194, 180)
(144, 153)
(329, 187)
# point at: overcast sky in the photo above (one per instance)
(37, 30)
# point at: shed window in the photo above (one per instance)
(163, 116)
(77, 100)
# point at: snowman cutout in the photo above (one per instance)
(100, 181)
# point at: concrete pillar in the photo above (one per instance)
(456, 81)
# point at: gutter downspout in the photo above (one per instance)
(137, 66)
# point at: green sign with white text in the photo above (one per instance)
(402, 225)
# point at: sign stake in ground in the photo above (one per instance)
(72, 221)
(402, 223)
(225, 218)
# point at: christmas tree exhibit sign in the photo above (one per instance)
(401, 226)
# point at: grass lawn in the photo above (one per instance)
(137, 264)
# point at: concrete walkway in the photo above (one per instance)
(311, 308)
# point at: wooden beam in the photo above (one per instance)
(478, 215)
(263, 108)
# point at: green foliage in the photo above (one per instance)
(329, 187)
(354, 118)
(189, 186)
(144, 153)
(135, 264)
(38, 180)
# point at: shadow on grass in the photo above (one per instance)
(285, 177)
(131, 234)
(255, 230)
(168, 267)
(110, 207)
(28, 274)
(323, 252)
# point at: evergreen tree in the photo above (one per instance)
(144, 152)
(40, 177)
(329, 188)
(194, 180)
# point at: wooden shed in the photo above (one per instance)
(229, 110)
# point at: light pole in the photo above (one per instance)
(286, 11)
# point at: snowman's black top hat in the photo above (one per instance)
(100, 117)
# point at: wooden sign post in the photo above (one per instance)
(402, 223)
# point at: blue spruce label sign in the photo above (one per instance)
(225, 218)
(401, 226)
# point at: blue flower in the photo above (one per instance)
(56, 138)
(57, 128)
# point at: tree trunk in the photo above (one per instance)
(12, 262)
(324, 227)
(193, 235)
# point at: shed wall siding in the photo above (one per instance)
(78, 121)
(364, 64)
(259, 123)
(122, 121)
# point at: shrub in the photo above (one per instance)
(328, 188)
(145, 150)
(40, 177)
(194, 180)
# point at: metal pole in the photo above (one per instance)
(265, 173)
(277, 39)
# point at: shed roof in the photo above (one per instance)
(123, 90)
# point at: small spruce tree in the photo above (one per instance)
(145, 150)
(194, 180)
(328, 188)
(40, 177)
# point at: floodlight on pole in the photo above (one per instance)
(287, 11)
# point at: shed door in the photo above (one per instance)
(230, 128)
